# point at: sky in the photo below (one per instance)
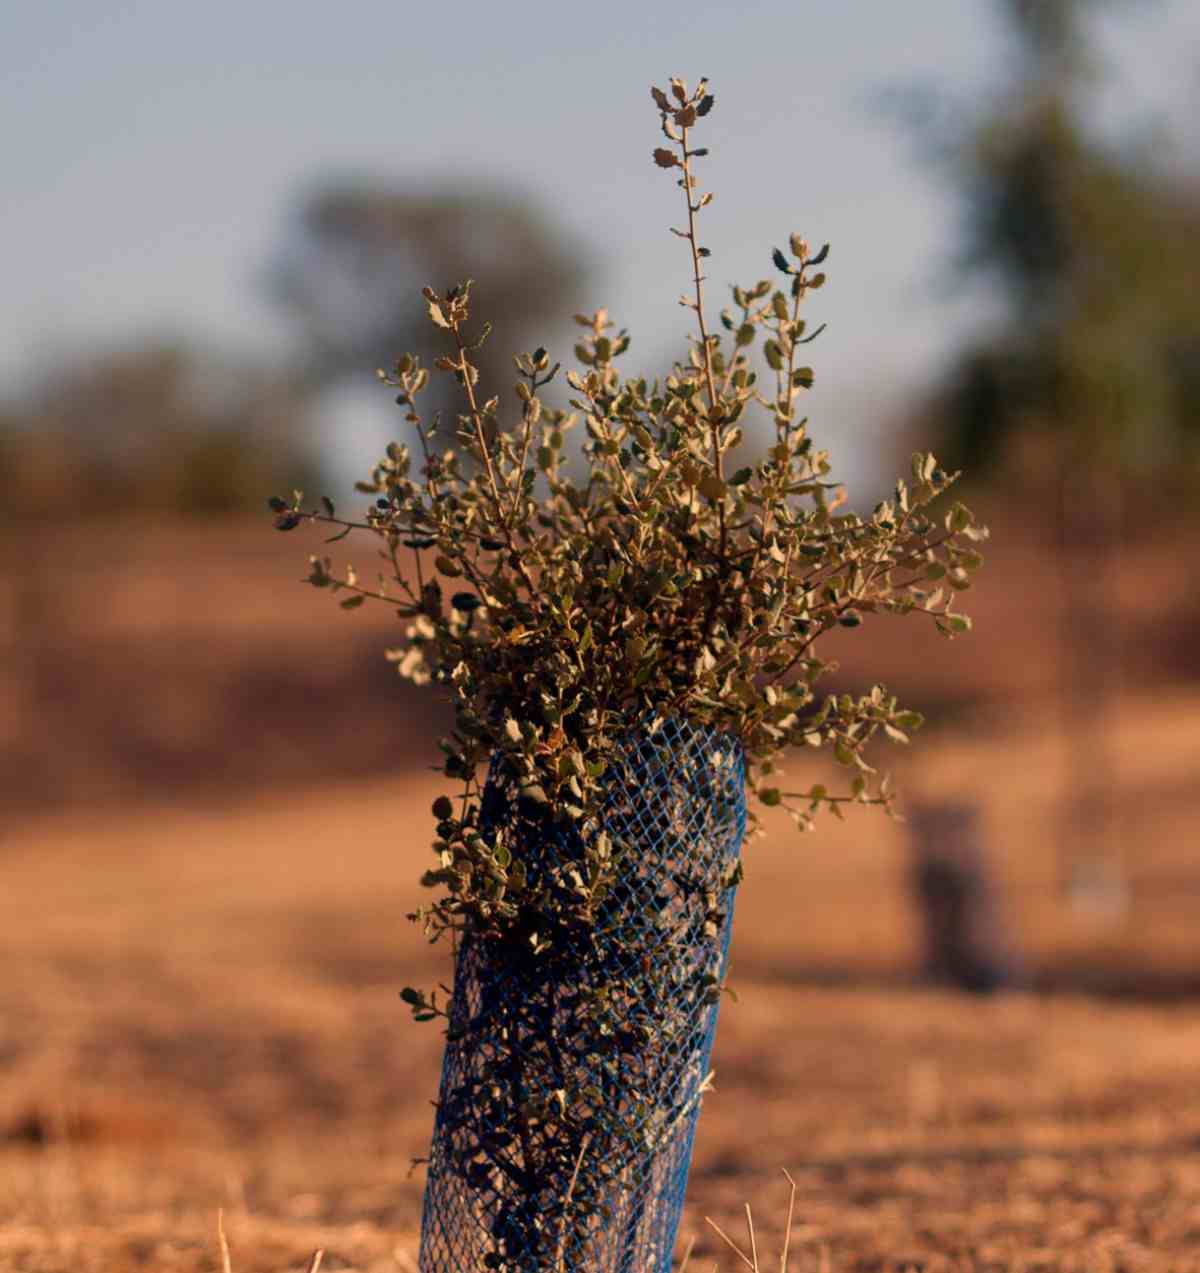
(154, 151)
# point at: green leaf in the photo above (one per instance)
(741, 477)
(442, 808)
(958, 518)
(954, 624)
(770, 796)
(774, 355)
(970, 559)
(781, 261)
(712, 487)
(465, 601)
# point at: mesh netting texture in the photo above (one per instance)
(573, 1076)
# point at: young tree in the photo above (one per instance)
(628, 649)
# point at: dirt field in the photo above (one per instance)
(200, 1011)
(147, 661)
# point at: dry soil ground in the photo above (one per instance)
(199, 1010)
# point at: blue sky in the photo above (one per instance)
(152, 151)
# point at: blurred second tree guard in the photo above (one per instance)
(1088, 387)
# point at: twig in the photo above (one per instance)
(688, 183)
(561, 1260)
(464, 368)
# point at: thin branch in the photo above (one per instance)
(562, 1236)
(688, 184)
(465, 368)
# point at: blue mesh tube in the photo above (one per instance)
(572, 1077)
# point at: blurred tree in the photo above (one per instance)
(351, 269)
(152, 429)
(1092, 247)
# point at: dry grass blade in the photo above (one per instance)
(314, 1264)
(751, 1260)
(787, 1230)
(753, 1242)
(729, 1242)
(226, 1266)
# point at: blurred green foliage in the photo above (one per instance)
(1092, 244)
